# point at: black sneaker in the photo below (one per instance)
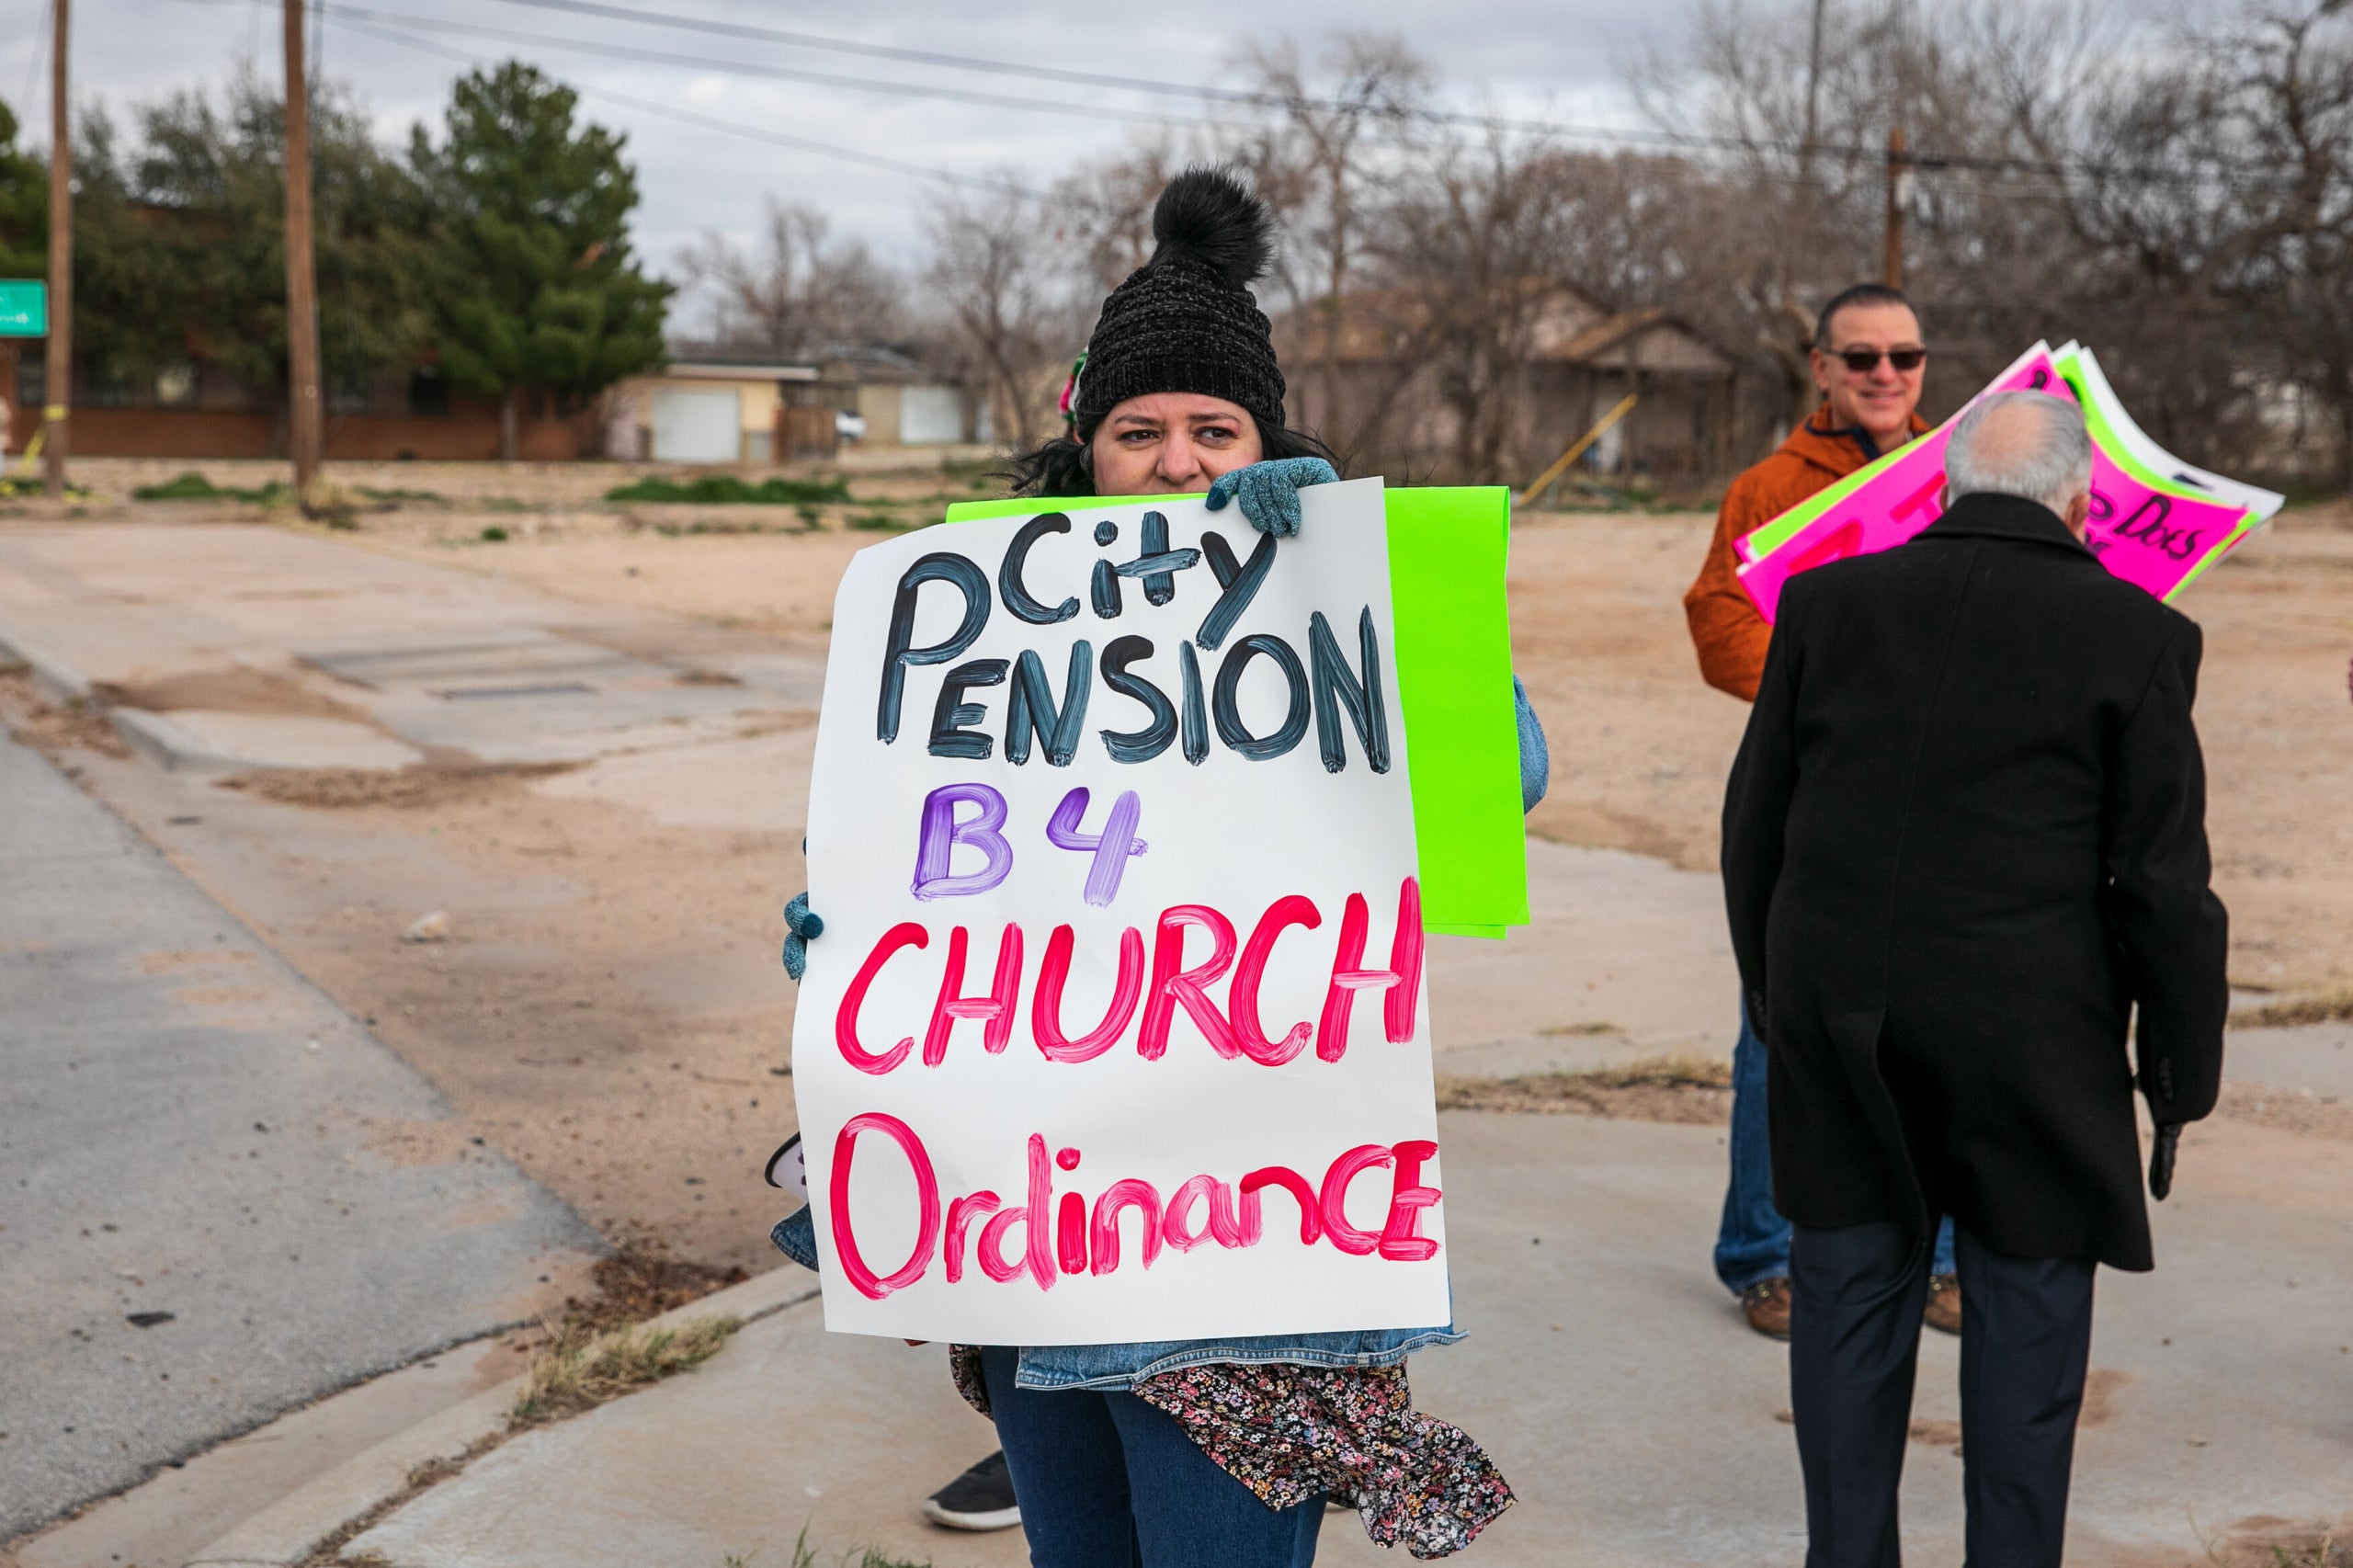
(980, 1499)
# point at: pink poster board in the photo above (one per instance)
(2155, 536)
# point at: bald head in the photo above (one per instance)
(2024, 444)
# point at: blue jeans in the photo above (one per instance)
(1105, 1481)
(1753, 1241)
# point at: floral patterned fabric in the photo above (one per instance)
(1288, 1432)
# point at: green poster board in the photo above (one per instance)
(1447, 549)
(24, 308)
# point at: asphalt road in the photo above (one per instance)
(220, 1197)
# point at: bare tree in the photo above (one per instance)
(1468, 252)
(796, 292)
(1005, 305)
(2274, 114)
(1332, 131)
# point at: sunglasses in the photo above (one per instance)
(1864, 361)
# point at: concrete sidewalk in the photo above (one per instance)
(226, 1198)
(1639, 1421)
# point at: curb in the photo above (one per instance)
(171, 747)
(54, 679)
(284, 1534)
(153, 735)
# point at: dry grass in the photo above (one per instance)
(2318, 1546)
(327, 1550)
(2328, 1008)
(807, 1556)
(236, 689)
(1689, 1091)
(55, 729)
(576, 1374)
(410, 788)
(638, 1280)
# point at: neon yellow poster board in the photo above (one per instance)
(1447, 549)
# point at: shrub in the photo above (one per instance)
(726, 489)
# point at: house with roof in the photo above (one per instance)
(722, 405)
(1492, 391)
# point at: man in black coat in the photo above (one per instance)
(1964, 839)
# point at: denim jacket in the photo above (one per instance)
(1119, 1366)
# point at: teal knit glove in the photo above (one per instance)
(801, 928)
(1268, 491)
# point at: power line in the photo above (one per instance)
(892, 52)
(734, 127)
(746, 68)
(350, 16)
(1250, 97)
(1260, 99)
(2059, 171)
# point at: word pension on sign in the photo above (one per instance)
(1111, 829)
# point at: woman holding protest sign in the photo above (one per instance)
(1223, 1452)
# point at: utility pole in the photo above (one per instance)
(1812, 94)
(1899, 189)
(303, 425)
(57, 391)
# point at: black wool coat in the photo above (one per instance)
(1964, 838)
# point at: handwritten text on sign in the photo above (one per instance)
(2152, 537)
(1118, 1030)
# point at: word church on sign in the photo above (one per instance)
(1232, 1032)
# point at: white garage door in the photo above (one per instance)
(696, 424)
(930, 417)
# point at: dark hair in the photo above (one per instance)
(1861, 294)
(1062, 466)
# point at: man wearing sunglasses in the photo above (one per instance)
(1869, 362)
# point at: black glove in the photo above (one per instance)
(2161, 1153)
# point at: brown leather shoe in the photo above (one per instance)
(1943, 1310)
(1767, 1306)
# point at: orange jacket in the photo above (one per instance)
(1725, 628)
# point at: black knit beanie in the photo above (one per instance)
(1186, 321)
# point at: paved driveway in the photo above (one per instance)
(219, 1197)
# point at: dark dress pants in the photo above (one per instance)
(1854, 1343)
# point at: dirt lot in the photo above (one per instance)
(609, 1008)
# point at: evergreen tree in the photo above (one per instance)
(190, 234)
(537, 289)
(24, 206)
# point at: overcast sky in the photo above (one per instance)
(1566, 59)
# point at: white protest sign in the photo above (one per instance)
(1117, 1029)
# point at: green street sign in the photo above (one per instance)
(24, 307)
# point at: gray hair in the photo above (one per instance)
(2020, 443)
